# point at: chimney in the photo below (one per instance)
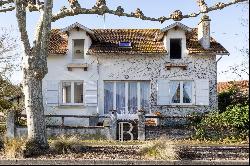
(204, 32)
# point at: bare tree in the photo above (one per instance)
(35, 57)
(9, 57)
(242, 69)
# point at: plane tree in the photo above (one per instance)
(34, 64)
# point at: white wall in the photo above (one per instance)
(57, 72)
(136, 67)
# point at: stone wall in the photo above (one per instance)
(154, 132)
(52, 132)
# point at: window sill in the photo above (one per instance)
(72, 106)
(182, 106)
(83, 66)
(172, 65)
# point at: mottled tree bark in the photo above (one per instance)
(32, 88)
(34, 70)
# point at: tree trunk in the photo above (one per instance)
(32, 88)
(34, 70)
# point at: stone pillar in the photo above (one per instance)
(141, 125)
(10, 124)
(113, 124)
(93, 120)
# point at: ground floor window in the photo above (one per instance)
(181, 92)
(72, 92)
(126, 96)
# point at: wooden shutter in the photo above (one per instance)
(90, 93)
(52, 93)
(202, 91)
(163, 95)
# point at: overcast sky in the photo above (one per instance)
(226, 25)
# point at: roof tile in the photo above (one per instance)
(144, 41)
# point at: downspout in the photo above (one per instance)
(98, 82)
(219, 59)
(217, 79)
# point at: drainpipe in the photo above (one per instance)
(219, 59)
(98, 82)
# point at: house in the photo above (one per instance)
(92, 71)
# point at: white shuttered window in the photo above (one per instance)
(183, 92)
(52, 93)
(72, 93)
(202, 91)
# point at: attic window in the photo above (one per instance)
(78, 48)
(175, 49)
(125, 44)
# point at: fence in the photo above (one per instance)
(108, 129)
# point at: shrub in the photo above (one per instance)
(13, 148)
(2, 129)
(233, 96)
(33, 148)
(1, 143)
(233, 123)
(65, 144)
(160, 149)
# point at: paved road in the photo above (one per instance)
(123, 162)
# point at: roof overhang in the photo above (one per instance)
(80, 26)
(176, 24)
(77, 25)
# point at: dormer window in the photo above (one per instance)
(175, 49)
(78, 48)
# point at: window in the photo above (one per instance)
(126, 96)
(78, 48)
(175, 49)
(72, 92)
(125, 44)
(181, 92)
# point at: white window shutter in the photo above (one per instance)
(202, 91)
(163, 95)
(52, 93)
(90, 93)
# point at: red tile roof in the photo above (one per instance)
(194, 46)
(58, 42)
(144, 41)
(223, 86)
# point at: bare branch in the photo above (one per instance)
(74, 4)
(100, 8)
(21, 19)
(7, 9)
(202, 4)
(4, 2)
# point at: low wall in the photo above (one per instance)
(153, 132)
(52, 132)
